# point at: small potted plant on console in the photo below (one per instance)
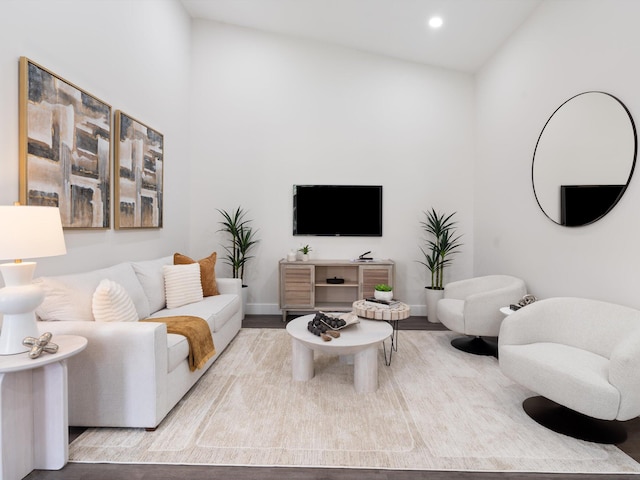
(305, 252)
(382, 291)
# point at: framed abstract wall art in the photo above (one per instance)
(139, 159)
(65, 148)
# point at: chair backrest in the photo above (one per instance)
(492, 282)
(461, 289)
(587, 324)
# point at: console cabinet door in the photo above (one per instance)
(372, 275)
(297, 286)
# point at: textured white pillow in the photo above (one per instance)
(111, 303)
(182, 284)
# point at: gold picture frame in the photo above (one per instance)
(139, 162)
(65, 148)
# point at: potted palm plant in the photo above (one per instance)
(242, 240)
(441, 244)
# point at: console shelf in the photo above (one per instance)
(304, 287)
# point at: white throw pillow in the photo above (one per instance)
(182, 284)
(69, 297)
(111, 303)
(151, 277)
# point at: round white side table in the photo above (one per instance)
(399, 311)
(34, 426)
(506, 311)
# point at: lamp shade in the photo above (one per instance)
(30, 232)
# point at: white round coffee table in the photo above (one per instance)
(360, 340)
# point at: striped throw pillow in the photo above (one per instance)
(182, 284)
(111, 303)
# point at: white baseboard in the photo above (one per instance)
(263, 309)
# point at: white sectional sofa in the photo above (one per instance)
(132, 373)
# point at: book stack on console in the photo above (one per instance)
(374, 302)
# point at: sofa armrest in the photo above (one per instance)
(120, 379)
(230, 285)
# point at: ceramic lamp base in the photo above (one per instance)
(18, 300)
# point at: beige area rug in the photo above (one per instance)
(436, 409)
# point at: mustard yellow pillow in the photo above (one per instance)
(207, 271)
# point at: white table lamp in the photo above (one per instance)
(25, 232)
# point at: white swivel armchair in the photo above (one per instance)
(472, 307)
(582, 357)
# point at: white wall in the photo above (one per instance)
(566, 47)
(271, 111)
(132, 55)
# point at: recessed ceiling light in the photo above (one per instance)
(435, 22)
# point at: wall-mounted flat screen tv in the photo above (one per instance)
(584, 204)
(337, 210)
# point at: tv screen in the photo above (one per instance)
(584, 204)
(337, 210)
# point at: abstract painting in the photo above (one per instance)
(65, 148)
(139, 159)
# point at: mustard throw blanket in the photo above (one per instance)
(198, 335)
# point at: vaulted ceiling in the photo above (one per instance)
(472, 30)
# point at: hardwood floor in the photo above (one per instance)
(77, 471)
(275, 321)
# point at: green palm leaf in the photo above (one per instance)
(440, 245)
(243, 238)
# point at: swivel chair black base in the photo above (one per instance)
(477, 345)
(568, 422)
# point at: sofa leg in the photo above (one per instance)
(568, 422)
(477, 345)
(151, 429)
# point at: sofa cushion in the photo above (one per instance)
(151, 277)
(216, 310)
(178, 350)
(69, 297)
(111, 303)
(207, 271)
(182, 284)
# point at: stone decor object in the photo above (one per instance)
(40, 344)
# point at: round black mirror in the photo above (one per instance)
(584, 159)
